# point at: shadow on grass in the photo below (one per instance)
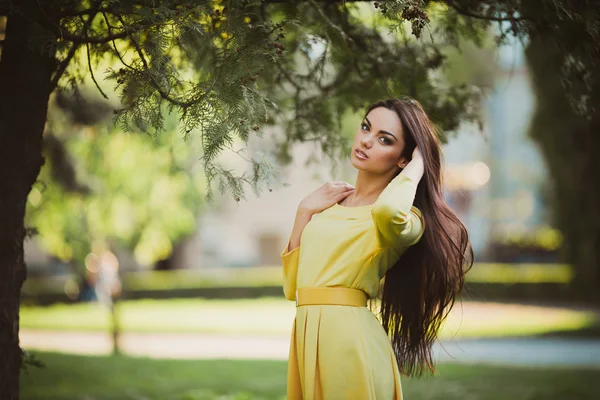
(116, 377)
(589, 332)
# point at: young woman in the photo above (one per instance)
(393, 236)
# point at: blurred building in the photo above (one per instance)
(511, 204)
(254, 231)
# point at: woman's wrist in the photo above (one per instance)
(304, 212)
(415, 168)
(417, 157)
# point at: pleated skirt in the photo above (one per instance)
(340, 352)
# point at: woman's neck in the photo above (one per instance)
(368, 187)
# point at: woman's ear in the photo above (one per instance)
(402, 163)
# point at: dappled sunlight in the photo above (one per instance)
(275, 315)
(473, 319)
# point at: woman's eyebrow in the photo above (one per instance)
(387, 133)
(381, 131)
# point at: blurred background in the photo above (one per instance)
(138, 287)
(152, 213)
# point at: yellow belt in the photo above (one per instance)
(338, 296)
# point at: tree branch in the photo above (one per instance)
(319, 1)
(89, 60)
(109, 27)
(360, 41)
(140, 52)
(287, 75)
(63, 66)
(89, 11)
(93, 40)
(467, 13)
(65, 63)
(328, 21)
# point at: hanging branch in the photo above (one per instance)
(65, 63)
(63, 66)
(87, 45)
(155, 85)
(89, 60)
(118, 54)
(509, 18)
(93, 40)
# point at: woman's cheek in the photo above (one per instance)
(391, 158)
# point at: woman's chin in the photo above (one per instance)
(358, 164)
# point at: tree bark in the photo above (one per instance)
(570, 144)
(26, 67)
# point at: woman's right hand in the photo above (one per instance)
(324, 197)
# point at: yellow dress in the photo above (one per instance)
(343, 352)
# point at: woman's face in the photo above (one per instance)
(380, 137)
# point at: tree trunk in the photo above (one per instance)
(571, 146)
(115, 326)
(25, 76)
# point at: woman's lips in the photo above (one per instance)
(360, 154)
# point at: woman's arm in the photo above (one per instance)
(398, 222)
(291, 253)
(327, 195)
(322, 198)
(415, 168)
(302, 218)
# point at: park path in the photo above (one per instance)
(508, 351)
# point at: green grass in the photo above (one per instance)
(520, 273)
(111, 378)
(275, 316)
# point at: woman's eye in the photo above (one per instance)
(385, 140)
(364, 127)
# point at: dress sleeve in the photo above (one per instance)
(289, 260)
(398, 222)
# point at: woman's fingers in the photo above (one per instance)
(341, 183)
(344, 193)
(344, 190)
(336, 186)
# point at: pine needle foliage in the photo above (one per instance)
(228, 68)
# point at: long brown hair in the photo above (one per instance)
(420, 289)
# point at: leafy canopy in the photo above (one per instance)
(229, 68)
